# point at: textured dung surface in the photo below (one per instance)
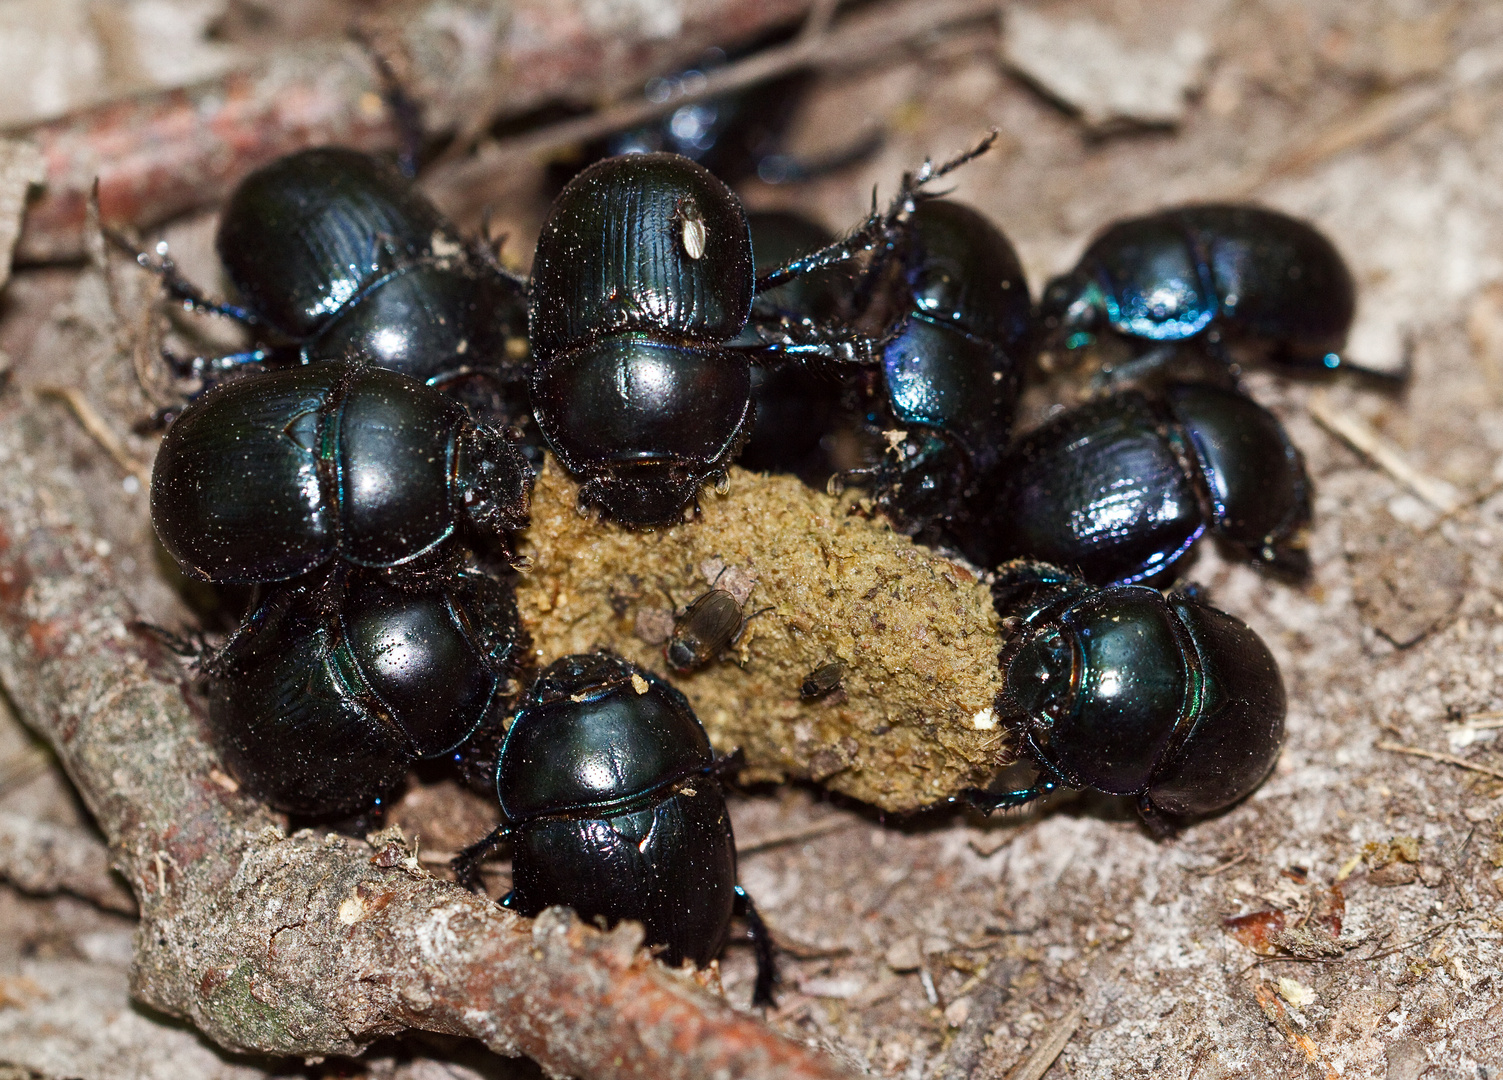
(914, 631)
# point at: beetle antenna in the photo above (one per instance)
(466, 865)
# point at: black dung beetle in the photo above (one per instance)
(1133, 693)
(643, 276)
(735, 135)
(326, 694)
(949, 378)
(336, 256)
(1237, 279)
(267, 477)
(1120, 488)
(611, 795)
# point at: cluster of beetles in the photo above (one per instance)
(367, 466)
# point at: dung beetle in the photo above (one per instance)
(643, 276)
(735, 135)
(611, 795)
(949, 378)
(336, 256)
(1130, 692)
(267, 477)
(327, 693)
(1120, 488)
(1234, 278)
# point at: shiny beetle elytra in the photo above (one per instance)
(325, 695)
(1130, 692)
(267, 477)
(1120, 488)
(611, 796)
(1240, 280)
(336, 256)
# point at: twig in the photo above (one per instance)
(1482, 721)
(306, 944)
(1418, 939)
(817, 22)
(833, 823)
(1038, 1062)
(1382, 119)
(161, 155)
(1273, 1008)
(1367, 442)
(1223, 867)
(851, 43)
(1436, 755)
(85, 413)
(23, 766)
(41, 858)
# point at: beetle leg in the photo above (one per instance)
(191, 646)
(486, 250)
(177, 286)
(1161, 827)
(767, 970)
(880, 226)
(210, 371)
(466, 865)
(988, 801)
(406, 112)
(782, 337)
(731, 762)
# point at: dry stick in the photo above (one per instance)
(1367, 442)
(850, 43)
(162, 154)
(1223, 867)
(99, 431)
(1053, 1045)
(1384, 118)
(41, 858)
(1436, 755)
(304, 945)
(833, 823)
(1273, 1008)
(1479, 722)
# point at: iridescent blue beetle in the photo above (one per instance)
(950, 374)
(1242, 281)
